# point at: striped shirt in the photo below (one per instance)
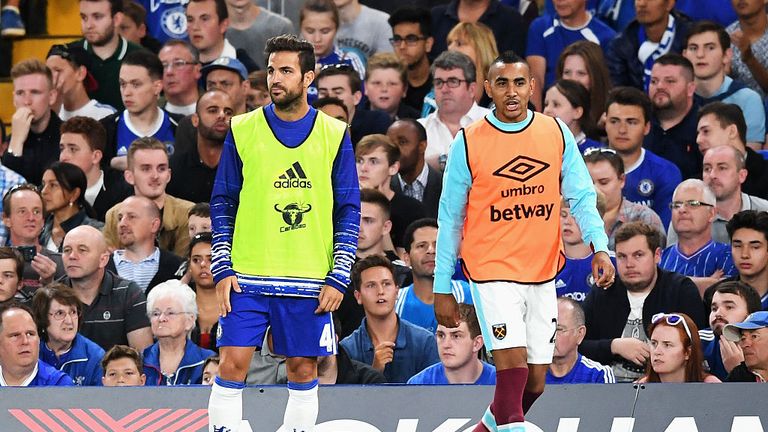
(409, 307)
(703, 263)
(585, 371)
(140, 272)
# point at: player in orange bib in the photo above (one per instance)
(500, 210)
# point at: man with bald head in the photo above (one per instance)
(114, 309)
(139, 260)
(416, 178)
(696, 255)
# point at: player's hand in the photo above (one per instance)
(602, 270)
(222, 294)
(631, 349)
(383, 354)
(45, 267)
(731, 354)
(330, 299)
(446, 310)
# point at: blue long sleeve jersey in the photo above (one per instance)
(346, 212)
(576, 187)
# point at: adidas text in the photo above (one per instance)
(293, 183)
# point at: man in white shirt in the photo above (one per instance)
(181, 75)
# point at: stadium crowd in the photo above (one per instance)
(105, 263)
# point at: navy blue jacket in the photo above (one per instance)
(190, 370)
(82, 362)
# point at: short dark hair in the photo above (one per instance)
(637, 228)
(201, 237)
(41, 305)
(18, 188)
(294, 44)
(135, 11)
(13, 304)
(509, 57)
(216, 359)
(330, 100)
(726, 114)
(751, 219)
(675, 59)
(468, 315)
(411, 230)
(749, 294)
(421, 132)
(147, 60)
(373, 196)
(367, 263)
(93, 131)
(221, 8)
(258, 80)
(413, 14)
(202, 209)
(320, 6)
(705, 26)
(118, 352)
(7, 252)
(115, 6)
(607, 155)
(632, 97)
(355, 83)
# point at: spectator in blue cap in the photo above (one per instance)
(752, 336)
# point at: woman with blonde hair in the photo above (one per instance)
(583, 61)
(477, 41)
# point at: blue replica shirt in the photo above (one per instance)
(618, 13)
(585, 371)
(415, 350)
(576, 187)
(713, 361)
(335, 57)
(166, 19)
(45, 375)
(346, 205)
(126, 134)
(548, 37)
(651, 181)
(410, 308)
(585, 144)
(703, 263)
(549, 8)
(435, 375)
(82, 362)
(575, 281)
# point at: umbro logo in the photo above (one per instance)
(521, 168)
(294, 177)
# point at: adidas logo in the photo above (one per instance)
(294, 177)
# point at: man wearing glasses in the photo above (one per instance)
(181, 72)
(454, 80)
(695, 254)
(412, 42)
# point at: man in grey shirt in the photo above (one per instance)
(250, 26)
(362, 28)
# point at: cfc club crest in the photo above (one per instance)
(293, 215)
(645, 187)
(499, 331)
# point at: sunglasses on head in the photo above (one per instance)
(673, 320)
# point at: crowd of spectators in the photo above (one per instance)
(105, 242)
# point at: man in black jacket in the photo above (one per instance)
(616, 318)
(752, 337)
(416, 178)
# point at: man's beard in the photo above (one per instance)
(212, 135)
(637, 286)
(288, 100)
(108, 35)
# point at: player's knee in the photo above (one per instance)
(301, 369)
(233, 367)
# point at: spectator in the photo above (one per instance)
(607, 171)
(194, 168)
(34, 126)
(343, 82)
(9, 179)
(386, 85)
(550, 34)
(412, 42)
(415, 179)
(20, 363)
(575, 280)
(340, 369)
(72, 78)
(616, 317)
(141, 82)
(98, 21)
(656, 30)
(723, 124)
(569, 101)
(568, 366)
(199, 217)
(583, 61)
(750, 45)
(363, 30)
(458, 349)
(149, 175)
(82, 144)
(174, 359)
(266, 367)
(695, 254)
(454, 80)
(11, 265)
(377, 162)
(333, 107)
(673, 124)
(114, 308)
(138, 259)
(748, 232)
(122, 367)
(402, 349)
(250, 25)
(506, 22)
(58, 314)
(230, 76)
(708, 47)
(257, 94)
(23, 215)
(210, 369)
(415, 301)
(202, 282)
(133, 26)
(181, 76)
(63, 195)
(477, 41)
(724, 173)
(207, 34)
(676, 355)
(751, 336)
(731, 302)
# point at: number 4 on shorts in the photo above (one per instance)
(326, 338)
